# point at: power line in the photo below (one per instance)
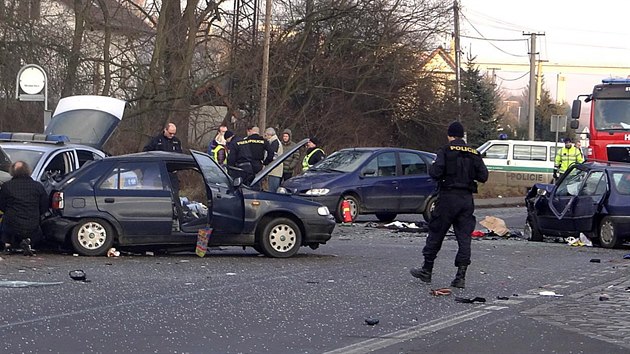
(489, 42)
(496, 39)
(514, 27)
(518, 78)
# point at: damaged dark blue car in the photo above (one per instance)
(592, 198)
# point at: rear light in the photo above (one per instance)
(57, 200)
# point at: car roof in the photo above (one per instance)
(172, 156)
(41, 146)
(608, 165)
(375, 148)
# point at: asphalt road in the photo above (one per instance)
(235, 301)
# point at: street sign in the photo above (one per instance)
(558, 123)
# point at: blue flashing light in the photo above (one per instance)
(57, 138)
(50, 138)
(617, 81)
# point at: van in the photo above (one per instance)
(519, 162)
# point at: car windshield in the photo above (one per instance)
(342, 161)
(570, 185)
(611, 114)
(31, 157)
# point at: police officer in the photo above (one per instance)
(246, 155)
(314, 154)
(456, 169)
(166, 141)
(566, 157)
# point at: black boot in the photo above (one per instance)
(423, 273)
(460, 278)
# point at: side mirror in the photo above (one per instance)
(575, 123)
(575, 109)
(368, 172)
(237, 182)
(541, 192)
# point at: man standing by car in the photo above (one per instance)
(566, 157)
(292, 161)
(247, 155)
(275, 176)
(457, 167)
(23, 202)
(167, 141)
(314, 154)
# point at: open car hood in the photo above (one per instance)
(87, 120)
(265, 171)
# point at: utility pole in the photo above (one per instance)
(262, 119)
(532, 82)
(494, 75)
(458, 64)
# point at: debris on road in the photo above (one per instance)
(604, 297)
(113, 253)
(441, 291)
(464, 300)
(78, 275)
(595, 260)
(549, 293)
(503, 297)
(495, 225)
(371, 321)
(25, 284)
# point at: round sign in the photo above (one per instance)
(32, 80)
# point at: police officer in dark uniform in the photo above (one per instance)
(247, 156)
(456, 169)
(166, 141)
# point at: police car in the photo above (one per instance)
(77, 131)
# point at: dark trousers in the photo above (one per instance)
(14, 237)
(286, 175)
(456, 209)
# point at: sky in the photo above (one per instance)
(576, 32)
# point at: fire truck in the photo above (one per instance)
(609, 121)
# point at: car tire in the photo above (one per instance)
(608, 234)
(428, 211)
(92, 237)
(386, 217)
(531, 231)
(280, 238)
(354, 208)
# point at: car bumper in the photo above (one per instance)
(56, 228)
(318, 230)
(329, 201)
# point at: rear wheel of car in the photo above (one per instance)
(280, 238)
(92, 237)
(608, 233)
(354, 208)
(386, 217)
(429, 209)
(531, 231)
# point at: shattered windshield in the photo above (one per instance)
(612, 114)
(342, 161)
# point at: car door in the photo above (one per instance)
(415, 184)
(225, 202)
(140, 206)
(589, 201)
(558, 215)
(380, 191)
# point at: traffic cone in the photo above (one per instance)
(345, 208)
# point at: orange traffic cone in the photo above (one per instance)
(345, 208)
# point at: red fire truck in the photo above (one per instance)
(609, 121)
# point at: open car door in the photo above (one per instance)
(87, 120)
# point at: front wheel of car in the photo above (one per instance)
(354, 208)
(531, 231)
(92, 237)
(608, 233)
(280, 238)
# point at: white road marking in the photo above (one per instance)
(409, 333)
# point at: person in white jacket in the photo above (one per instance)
(275, 176)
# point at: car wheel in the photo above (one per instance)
(531, 231)
(280, 238)
(354, 208)
(608, 234)
(92, 237)
(429, 209)
(386, 217)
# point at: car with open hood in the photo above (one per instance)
(78, 129)
(384, 181)
(592, 198)
(163, 199)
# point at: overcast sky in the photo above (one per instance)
(576, 32)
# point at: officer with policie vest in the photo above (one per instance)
(566, 157)
(457, 167)
(314, 154)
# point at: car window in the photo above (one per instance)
(61, 163)
(86, 155)
(412, 164)
(31, 157)
(595, 184)
(212, 172)
(145, 176)
(530, 152)
(570, 185)
(621, 181)
(499, 151)
(386, 164)
(343, 161)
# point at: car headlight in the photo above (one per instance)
(323, 211)
(317, 191)
(282, 190)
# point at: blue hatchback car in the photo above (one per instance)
(378, 180)
(591, 198)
